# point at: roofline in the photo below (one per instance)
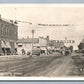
(27, 42)
(5, 20)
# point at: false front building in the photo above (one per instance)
(26, 44)
(8, 37)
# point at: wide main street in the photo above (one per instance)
(52, 65)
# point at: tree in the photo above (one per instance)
(81, 46)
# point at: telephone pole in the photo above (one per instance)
(32, 40)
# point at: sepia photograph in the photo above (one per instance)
(42, 40)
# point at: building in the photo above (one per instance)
(26, 44)
(8, 37)
(53, 44)
(43, 42)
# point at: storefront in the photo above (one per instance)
(5, 47)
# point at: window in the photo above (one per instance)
(5, 30)
(8, 31)
(2, 29)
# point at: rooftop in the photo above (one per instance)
(7, 20)
(28, 40)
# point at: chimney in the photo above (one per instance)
(11, 21)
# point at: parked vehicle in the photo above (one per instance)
(66, 51)
(36, 51)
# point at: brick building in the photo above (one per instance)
(8, 37)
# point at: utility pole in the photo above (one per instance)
(32, 40)
(65, 38)
(15, 13)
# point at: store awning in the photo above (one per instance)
(20, 43)
(8, 44)
(3, 44)
(42, 48)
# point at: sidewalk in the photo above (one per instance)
(12, 57)
(20, 57)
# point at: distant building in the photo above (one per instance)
(26, 44)
(43, 43)
(53, 44)
(8, 37)
(59, 44)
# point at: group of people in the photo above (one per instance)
(23, 52)
(66, 51)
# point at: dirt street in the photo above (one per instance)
(60, 67)
(53, 65)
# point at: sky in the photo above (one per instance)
(47, 14)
